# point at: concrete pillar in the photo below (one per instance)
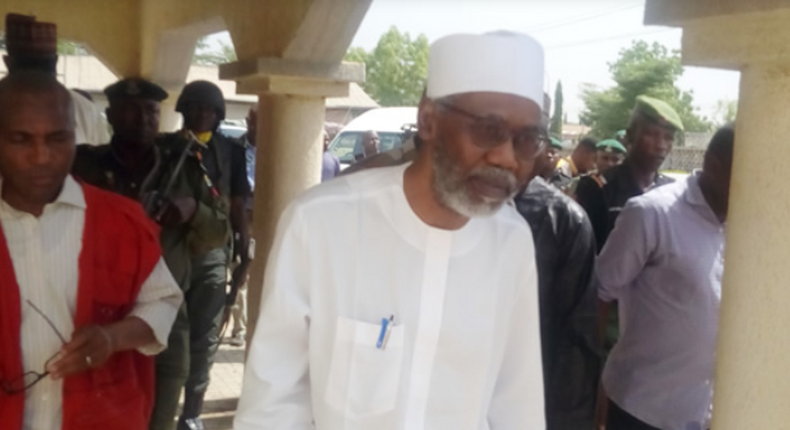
(752, 381)
(752, 378)
(169, 119)
(291, 111)
(288, 161)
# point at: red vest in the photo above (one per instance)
(120, 248)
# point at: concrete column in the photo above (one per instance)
(752, 377)
(288, 161)
(752, 381)
(169, 119)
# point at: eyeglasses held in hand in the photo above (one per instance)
(27, 380)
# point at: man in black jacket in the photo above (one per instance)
(565, 252)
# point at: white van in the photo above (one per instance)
(389, 123)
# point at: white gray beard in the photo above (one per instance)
(449, 187)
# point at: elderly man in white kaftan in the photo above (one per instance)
(406, 297)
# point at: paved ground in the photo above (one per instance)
(224, 390)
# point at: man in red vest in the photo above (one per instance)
(86, 298)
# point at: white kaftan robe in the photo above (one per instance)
(464, 353)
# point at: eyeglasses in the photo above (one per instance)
(488, 133)
(27, 380)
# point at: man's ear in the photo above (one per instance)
(427, 120)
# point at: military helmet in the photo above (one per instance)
(202, 92)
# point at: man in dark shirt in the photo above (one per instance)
(174, 194)
(651, 134)
(203, 107)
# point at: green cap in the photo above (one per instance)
(555, 143)
(659, 111)
(135, 88)
(620, 134)
(610, 145)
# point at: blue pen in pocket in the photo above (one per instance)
(386, 327)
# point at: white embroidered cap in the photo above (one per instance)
(500, 62)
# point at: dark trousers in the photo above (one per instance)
(205, 301)
(172, 371)
(622, 420)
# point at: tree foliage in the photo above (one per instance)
(397, 68)
(641, 69)
(65, 47)
(726, 111)
(206, 55)
(558, 118)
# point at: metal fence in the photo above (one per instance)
(684, 159)
(681, 159)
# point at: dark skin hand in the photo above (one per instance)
(99, 343)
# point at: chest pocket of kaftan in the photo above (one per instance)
(364, 380)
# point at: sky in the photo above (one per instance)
(581, 38)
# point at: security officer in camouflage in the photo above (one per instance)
(169, 181)
(203, 107)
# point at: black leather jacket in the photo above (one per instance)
(565, 252)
